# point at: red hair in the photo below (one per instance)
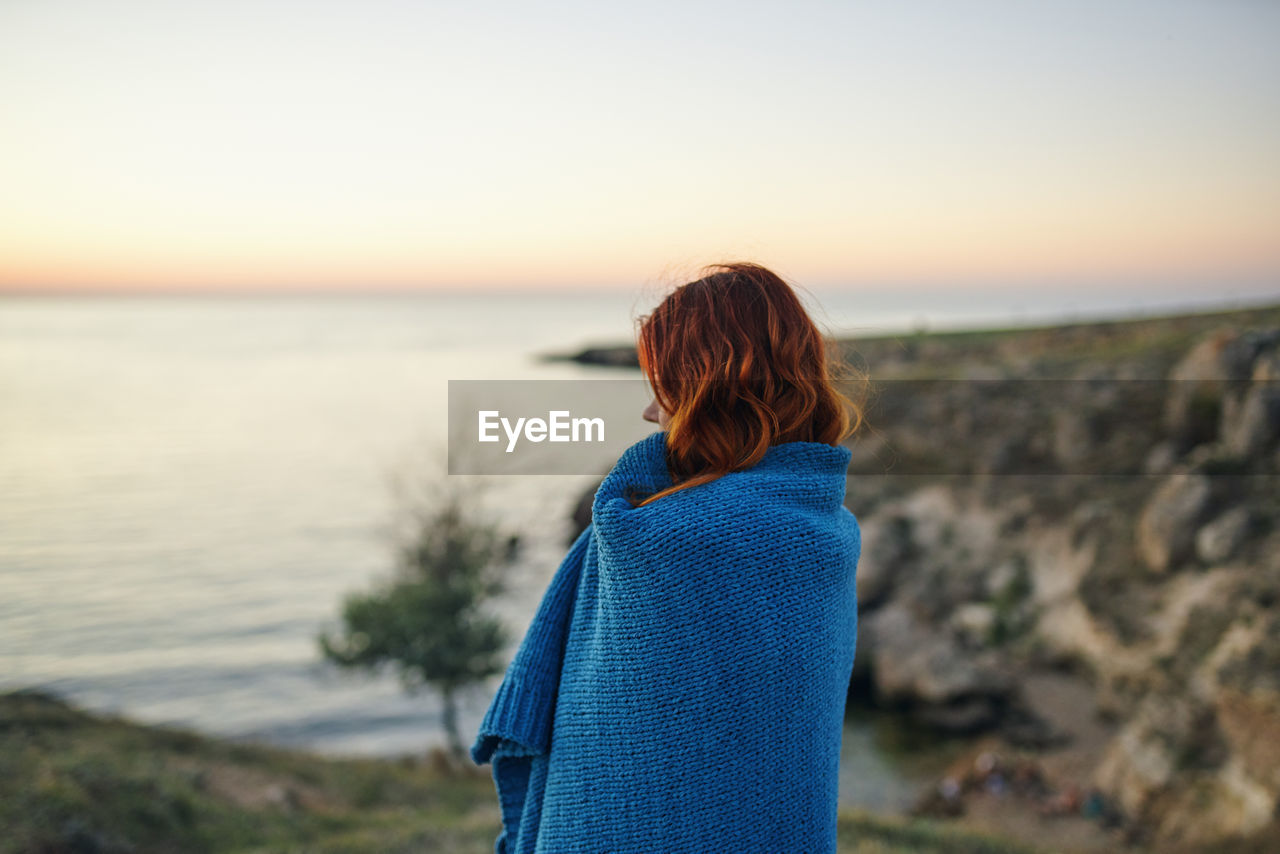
(739, 366)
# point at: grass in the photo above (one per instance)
(71, 781)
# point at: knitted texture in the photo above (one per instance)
(681, 687)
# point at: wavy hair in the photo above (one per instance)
(739, 366)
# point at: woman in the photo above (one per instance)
(682, 685)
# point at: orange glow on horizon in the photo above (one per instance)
(935, 263)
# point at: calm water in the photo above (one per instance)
(188, 486)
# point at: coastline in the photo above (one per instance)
(932, 353)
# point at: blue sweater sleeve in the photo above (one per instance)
(523, 707)
(515, 734)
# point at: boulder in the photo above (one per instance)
(1193, 407)
(916, 666)
(1143, 758)
(1251, 420)
(1222, 537)
(1166, 528)
(1193, 774)
(1251, 726)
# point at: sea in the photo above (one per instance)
(190, 485)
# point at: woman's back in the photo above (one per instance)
(708, 651)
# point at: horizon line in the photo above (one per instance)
(1053, 319)
(923, 285)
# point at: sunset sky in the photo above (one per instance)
(375, 145)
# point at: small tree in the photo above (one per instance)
(426, 621)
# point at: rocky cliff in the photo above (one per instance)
(1114, 516)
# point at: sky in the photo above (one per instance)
(377, 145)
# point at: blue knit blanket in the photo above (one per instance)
(681, 687)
